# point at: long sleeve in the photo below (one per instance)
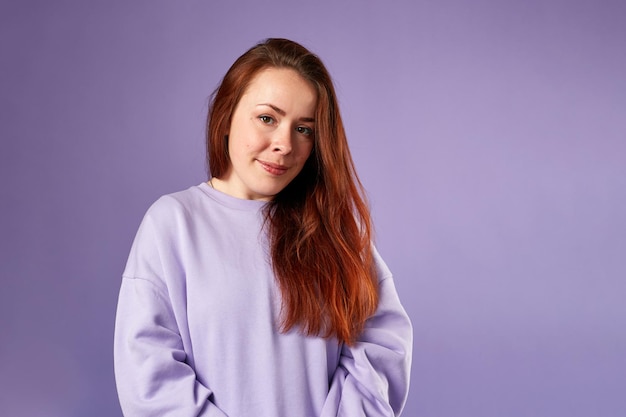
(197, 329)
(152, 376)
(372, 378)
(152, 369)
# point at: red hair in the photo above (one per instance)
(319, 225)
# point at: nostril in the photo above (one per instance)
(282, 148)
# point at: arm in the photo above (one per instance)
(152, 371)
(372, 378)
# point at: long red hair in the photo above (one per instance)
(319, 225)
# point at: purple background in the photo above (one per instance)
(491, 136)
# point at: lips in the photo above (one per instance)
(272, 168)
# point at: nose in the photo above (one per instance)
(281, 141)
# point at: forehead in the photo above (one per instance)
(283, 85)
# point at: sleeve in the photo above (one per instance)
(372, 378)
(152, 373)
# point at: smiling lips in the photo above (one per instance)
(274, 169)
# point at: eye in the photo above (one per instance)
(268, 120)
(307, 131)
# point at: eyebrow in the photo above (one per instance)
(282, 112)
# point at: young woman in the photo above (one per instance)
(259, 293)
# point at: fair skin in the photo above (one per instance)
(271, 135)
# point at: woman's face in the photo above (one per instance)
(271, 135)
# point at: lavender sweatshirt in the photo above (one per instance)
(197, 323)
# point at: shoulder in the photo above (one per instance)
(382, 270)
(173, 208)
(166, 226)
(187, 200)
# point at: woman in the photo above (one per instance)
(258, 293)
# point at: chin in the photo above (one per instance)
(273, 188)
(267, 192)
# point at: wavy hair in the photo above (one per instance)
(319, 226)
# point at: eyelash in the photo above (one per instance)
(304, 130)
(307, 131)
(266, 119)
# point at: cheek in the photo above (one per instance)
(242, 141)
(307, 149)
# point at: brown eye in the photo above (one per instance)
(307, 131)
(266, 119)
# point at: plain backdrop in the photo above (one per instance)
(490, 135)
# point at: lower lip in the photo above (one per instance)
(273, 170)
